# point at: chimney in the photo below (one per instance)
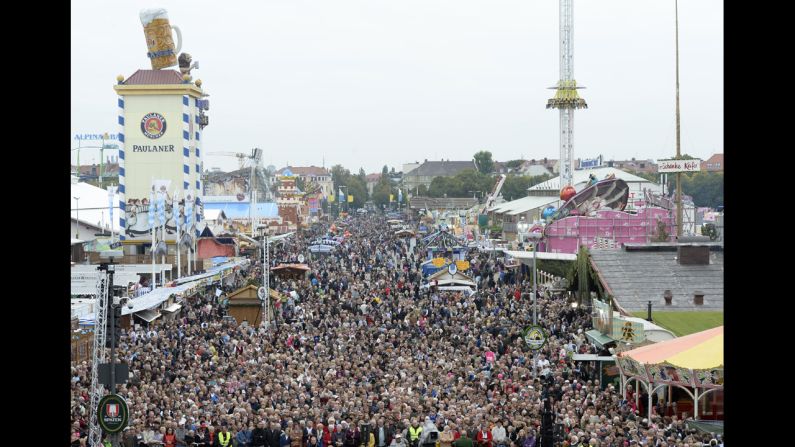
(693, 254)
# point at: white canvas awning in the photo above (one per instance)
(148, 315)
(173, 308)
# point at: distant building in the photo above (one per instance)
(408, 167)
(372, 180)
(713, 163)
(551, 166)
(427, 171)
(314, 174)
(634, 166)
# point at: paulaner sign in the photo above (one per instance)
(148, 148)
(678, 166)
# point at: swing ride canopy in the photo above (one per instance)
(702, 350)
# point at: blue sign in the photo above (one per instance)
(591, 163)
(95, 136)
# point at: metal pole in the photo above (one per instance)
(101, 160)
(175, 212)
(77, 227)
(678, 146)
(152, 210)
(535, 296)
(114, 438)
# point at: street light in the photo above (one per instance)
(535, 237)
(77, 226)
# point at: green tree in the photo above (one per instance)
(381, 191)
(422, 191)
(484, 162)
(515, 186)
(384, 171)
(513, 163)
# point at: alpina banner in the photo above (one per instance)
(678, 166)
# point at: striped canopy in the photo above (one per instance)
(702, 350)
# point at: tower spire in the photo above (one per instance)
(566, 98)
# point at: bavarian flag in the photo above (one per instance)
(342, 196)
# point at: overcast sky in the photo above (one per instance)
(365, 83)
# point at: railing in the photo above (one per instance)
(547, 279)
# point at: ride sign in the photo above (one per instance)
(113, 413)
(535, 337)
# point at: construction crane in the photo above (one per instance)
(566, 98)
(241, 157)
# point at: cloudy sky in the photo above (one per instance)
(365, 83)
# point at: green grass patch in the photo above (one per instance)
(684, 323)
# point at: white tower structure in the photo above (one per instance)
(566, 98)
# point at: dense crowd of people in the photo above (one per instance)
(362, 355)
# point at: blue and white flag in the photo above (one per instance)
(111, 193)
(177, 217)
(161, 208)
(400, 196)
(188, 213)
(152, 210)
(342, 196)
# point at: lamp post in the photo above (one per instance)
(77, 219)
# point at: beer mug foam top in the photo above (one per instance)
(157, 30)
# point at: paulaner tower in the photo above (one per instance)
(566, 98)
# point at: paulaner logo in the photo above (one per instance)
(153, 125)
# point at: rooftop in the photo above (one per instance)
(581, 177)
(302, 171)
(639, 276)
(154, 77)
(433, 203)
(441, 168)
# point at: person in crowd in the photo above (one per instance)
(362, 338)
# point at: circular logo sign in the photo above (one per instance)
(262, 293)
(535, 337)
(301, 258)
(113, 413)
(153, 125)
(451, 269)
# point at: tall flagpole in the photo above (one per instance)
(151, 215)
(678, 147)
(177, 218)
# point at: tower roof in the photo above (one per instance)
(154, 77)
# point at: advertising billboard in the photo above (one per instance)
(154, 153)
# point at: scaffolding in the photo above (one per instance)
(98, 357)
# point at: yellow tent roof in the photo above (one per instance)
(702, 350)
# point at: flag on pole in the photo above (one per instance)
(177, 216)
(350, 198)
(111, 192)
(342, 196)
(151, 213)
(391, 198)
(331, 198)
(400, 195)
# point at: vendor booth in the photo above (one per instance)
(685, 373)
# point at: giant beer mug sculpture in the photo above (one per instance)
(159, 41)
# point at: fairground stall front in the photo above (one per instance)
(685, 374)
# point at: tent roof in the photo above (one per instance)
(702, 350)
